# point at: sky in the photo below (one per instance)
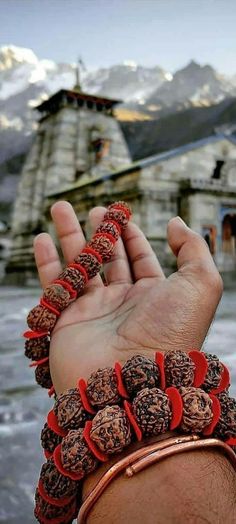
(168, 33)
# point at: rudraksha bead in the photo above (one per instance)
(50, 511)
(43, 375)
(57, 296)
(76, 455)
(90, 263)
(118, 216)
(111, 430)
(37, 348)
(138, 373)
(54, 483)
(49, 439)
(179, 369)
(214, 372)
(151, 408)
(122, 204)
(69, 410)
(74, 277)
(42, 319)
(103, 245)
(197, 410)
(102, 388)
(226, 426)
(110, 228)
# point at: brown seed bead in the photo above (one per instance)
(179, 369)
(118, 216)
(49, 439)
(151, 408)
(55, 484)
(214, 372)
(76, 455)
(50, 511)
(138, 373)
(69, 410)
(40, 318)
(43, 375)
(74, 277)
(111, 430)
(197, 410)
(90, 263)
(57, 296)
(110, 228)
(102, 388)
(103, 245)
(37, 348)
(226, 427)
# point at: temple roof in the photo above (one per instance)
(75, 97)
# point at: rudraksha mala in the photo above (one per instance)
(142, 398)
(70, 284)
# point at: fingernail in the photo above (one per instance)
(181, 221)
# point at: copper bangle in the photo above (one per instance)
(147, 456)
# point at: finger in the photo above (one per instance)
(46, 258)
(68, 230)
(70, 234)
(143, 261)
(117, 270)
(193, 255)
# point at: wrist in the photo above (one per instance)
(185, 488)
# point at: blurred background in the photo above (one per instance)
(103, 100)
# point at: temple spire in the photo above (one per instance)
(79, 67)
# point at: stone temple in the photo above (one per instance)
(81, 154)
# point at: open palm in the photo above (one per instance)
(139, 310)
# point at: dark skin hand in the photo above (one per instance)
(139, 309)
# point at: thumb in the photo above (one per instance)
(192, 252)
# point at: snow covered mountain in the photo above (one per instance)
(26, 80)
(150, 93)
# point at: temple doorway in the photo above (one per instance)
(229, 234)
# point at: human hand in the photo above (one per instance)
(139, 310)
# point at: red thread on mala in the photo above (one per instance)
(51, 500)
(53, 424)
(133, 421)
(35, 334)
(160, 361)
(176, 406)
(121, 208)
(201, 367)
(106, 235)
(92, 446)
(67, 286)
(216, 410)
(48, 306)
(231, 441)
(81, 269)
(92, 251)
(38, 362)
(224, 383)
(47, 454)
(120, 385)
(51, 391)
(82, 386)
(59, 466)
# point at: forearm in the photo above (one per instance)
(194, 487)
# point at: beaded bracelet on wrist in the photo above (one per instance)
(68, 286)
(90, 423)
